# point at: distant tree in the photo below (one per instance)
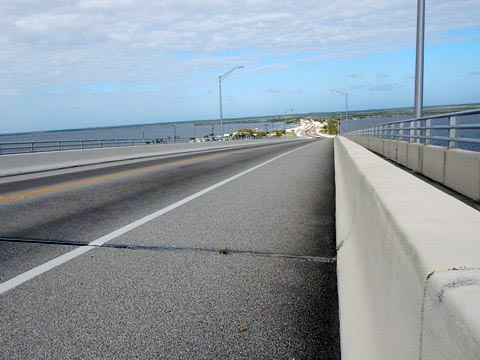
(333, 125)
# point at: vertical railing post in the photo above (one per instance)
(32, 147)
(412, 131)
(418, 132)
(81, 144)
(400, 132)
(428, 131)
(453, 132)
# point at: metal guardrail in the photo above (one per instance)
(455, 130)
(10, 148)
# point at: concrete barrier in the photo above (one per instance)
(392, 150)
(408, 263)
(433, 162)
(386, 148)
(44, 161)
(379, 145)
(370, 143)
(454, 168)
(414, 156)
(462, 172)
(402, 153)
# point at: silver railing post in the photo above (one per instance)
(453, 132)
(400, 132)
(32, 148)
(428, 131)
(418, 132)
(412, 131)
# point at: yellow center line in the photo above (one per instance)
(104, 178)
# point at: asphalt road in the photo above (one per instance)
(237, 262)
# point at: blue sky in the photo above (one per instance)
(86, 63)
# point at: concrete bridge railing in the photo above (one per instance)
(17, 164)
(454, 168)
(408, 263)
(444, 148)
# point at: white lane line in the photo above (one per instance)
(36, 271)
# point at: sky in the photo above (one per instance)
(87, 63)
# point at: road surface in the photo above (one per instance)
(222, 254)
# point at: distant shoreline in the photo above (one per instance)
(391, 112)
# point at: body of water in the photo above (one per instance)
(154, 131)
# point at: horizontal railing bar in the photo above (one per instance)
(441, 138)
(435, 127)
(460, 113)
(23, 147)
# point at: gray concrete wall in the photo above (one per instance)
(408, 263)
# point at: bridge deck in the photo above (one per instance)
(245, 270)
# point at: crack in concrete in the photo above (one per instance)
(422, 314)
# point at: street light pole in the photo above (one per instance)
(419, 59)
(220, 79)
(221, 104)
(346, 106)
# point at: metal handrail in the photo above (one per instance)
(22, 147)
(424, 130)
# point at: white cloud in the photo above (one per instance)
(381, 87)
(54, 43)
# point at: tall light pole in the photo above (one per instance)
(346, 106)
(419, 59)
(220, 79)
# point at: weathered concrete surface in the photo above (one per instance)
(402, 153)
(462, 172)
(415, 155)
(393, 232)
(451, 318)
(386, 148)
(392, 150)
(433, 162)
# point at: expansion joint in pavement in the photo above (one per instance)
(166, 249)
